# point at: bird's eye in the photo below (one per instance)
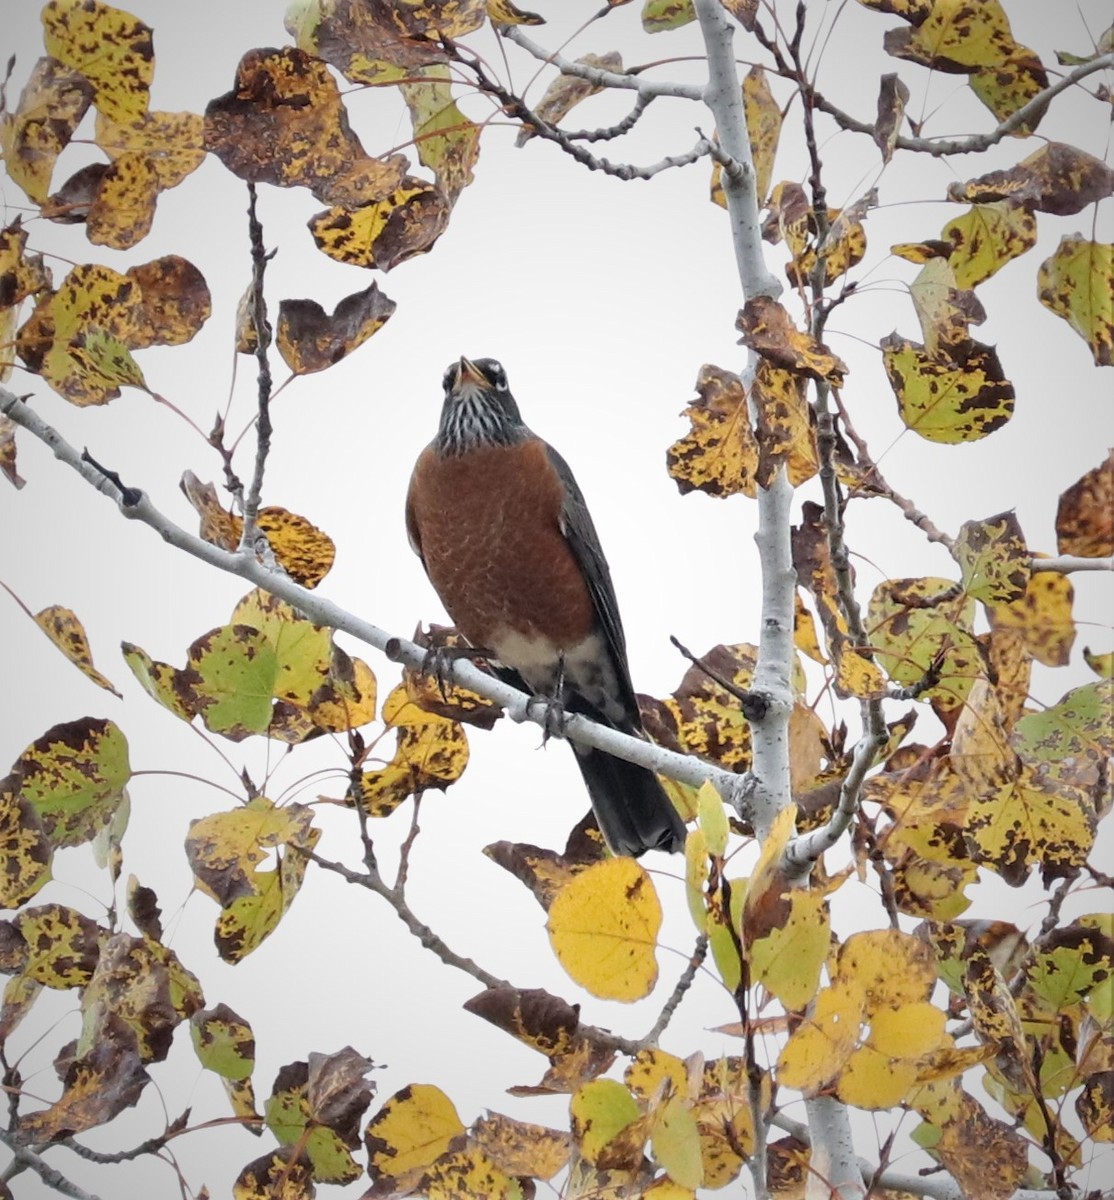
(448, 377)
(498, 376)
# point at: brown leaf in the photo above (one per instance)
(309, 339)
(1057, 179)
(143, 908)
(768, 329)
(893, 96)
(785, 425)
(50, 108)
(284, 123)
(567, 91)
(337, 1092)
(284, 1174)
(1085, 513)
(21, 274)
(544, 872)
(174, 302)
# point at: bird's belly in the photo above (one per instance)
(494, 550)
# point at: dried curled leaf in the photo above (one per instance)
(309, 339)
(64, 629)
(720, 455)
(567, 91)
(768, 329)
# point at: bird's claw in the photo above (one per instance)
(552, 716)
(438, 663)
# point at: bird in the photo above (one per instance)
(505, 537)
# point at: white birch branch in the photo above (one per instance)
(137, 506)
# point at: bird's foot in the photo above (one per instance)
(438, 663)
(551, 714)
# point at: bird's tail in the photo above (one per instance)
(632, 810)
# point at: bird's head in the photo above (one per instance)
(479, 409)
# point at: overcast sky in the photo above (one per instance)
(602, 299)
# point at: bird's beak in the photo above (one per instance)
(468, 372)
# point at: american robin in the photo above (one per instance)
(506, 539)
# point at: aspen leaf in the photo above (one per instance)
(789, 219)
(661, 15)
(122, 211)
(993, 559)
(303, 651)
(712, 815)
(893, 968)
(944, 311)
(945, 401)
(1085, 513)
(172, 305)
(1056, 178)
(109, 47)
(360, 40)
(1010, 85)
(64, 629)
(603, 926)
(1042, 615)
(893, 96)
(284, 123)
(61, 946)
(724, 1112)
(25, 850)
(431, 752)
(224, 1042)
(607, 1124)
(50, 108)
(282, 1174)
(520, 1148)
(820, 1046)
(503, 12)
(77, 338)
(468, 1172)
(410, 1132)
(74, 778)
(21, 274)
(873, 1080)
(785, 426)
(309, 339)
(1076, 730)
(915, 624)
(172, 143)
(1101, 664)
(843, 245)
(1077, 283)
(720, 455)
(1095, 1106)
(910, 1030)
(675, 1141)
(768, 329)
(447, 141)
(385, 232)
(763, 116)
(702, 717)
(544, 872)
(986, 237)
(955, 36)
(225, 850)
(567, 91)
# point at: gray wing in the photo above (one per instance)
(585, 543)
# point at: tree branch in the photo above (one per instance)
(601, 78)
(136, 505)
(977, 142)
(1066, 563)
(25, 1159)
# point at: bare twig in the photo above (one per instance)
(699, 953)
(620, 128)
(1064, 564)
(601, 78)
(976, 142)
(24, 1159)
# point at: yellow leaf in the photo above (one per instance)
(110, 47)
(763, 117)
(957, 35)
(712, 815)
(1010, 85)
(385, 232)
(986, 237)
(720, 455)
(64, 629)
(1077, 283)
(649, 1070)
(123, 209)
(309, 339)
(503, 12)
(660, 15)
(675, 1141)
(1042, 616)
(411, 1131)
(1085, 514)
(447, 141)
(945, 401)
(50, 108)
(784, 425)
(873, 1080)
(603, 926)
(944, 310)
(993, 558)
(820, 1046)
(607, 1124)
(520, 1148)
(892, 968)
(910, 1030)
(173, 143)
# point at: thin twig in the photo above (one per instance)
(696, 960)
(25, 1159)
(259, 260)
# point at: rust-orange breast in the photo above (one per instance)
(488, 527)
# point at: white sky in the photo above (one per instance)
(602, 299)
